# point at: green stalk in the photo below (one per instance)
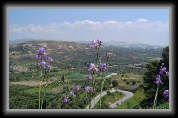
(91, 100)
(39, 95)
(97, 57)
(45, 88)
(42, 100)
(102, 83)
(155, 100)
(86, 97)
(92, 93)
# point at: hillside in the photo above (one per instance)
(70, 67)
(66, 55)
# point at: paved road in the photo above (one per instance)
(127, 96)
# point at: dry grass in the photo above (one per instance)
(30, 83)
(125, 76)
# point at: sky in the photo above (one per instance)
(150, 26)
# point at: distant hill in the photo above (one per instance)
(129, 44)
(75, 55)
(106, 43)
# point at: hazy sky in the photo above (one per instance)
(149, 26)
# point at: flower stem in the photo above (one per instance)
(42, 100)
(97, 57)
(91, 100)
(101, 89)
(155, 100)
(86, 97)
(45, 88)
(92, 93)
(39, 95)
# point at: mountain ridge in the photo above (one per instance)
(106, 43)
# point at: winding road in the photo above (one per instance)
(127, 96)
(112, 106)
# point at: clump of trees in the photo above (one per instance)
(153, 68)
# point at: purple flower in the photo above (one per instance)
(88, 88)
(38, 55)
(77, 88)
(158, 80)
(49, 59)
(48, 67)
(103, 68)
(41, 52)
(89, 78)
(72, 94)
(65, 101)
(43, 63)
(92, 67)
(95, 43)
(167, 73)
(162, 70)
(166, 94)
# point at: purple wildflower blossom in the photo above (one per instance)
(77, 88)
(166, 94)
(49, 59)
(95, 42)
(41, 52)
(38, 55)
(92, 67)
(72, 94)
(48, 67)
(167, 73)
(89, 78)
(88, 88)
(65, 101)
(103, 68)
(158, 80)
(162, 70)
(43, 63)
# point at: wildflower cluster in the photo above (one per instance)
(90, 88)
(93, 68)
(71, 95)
(44, 65)
(158, 81)
(44, 62)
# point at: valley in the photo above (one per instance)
(126, 68)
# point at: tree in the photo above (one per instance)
(149, 78)
(165, 57)
(62, 78)
(153, 68)
(114, 83)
